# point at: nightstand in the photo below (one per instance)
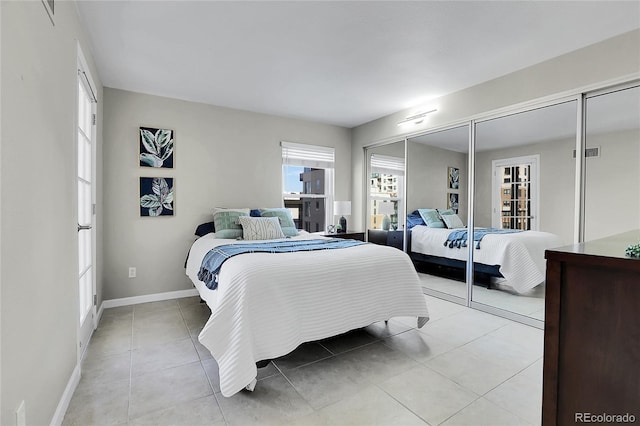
(386, 238)
(350, 235)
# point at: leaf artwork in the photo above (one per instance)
(161, 196)
(454, 177)
(158, 144)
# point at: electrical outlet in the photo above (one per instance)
(21, 415)
(132, 271)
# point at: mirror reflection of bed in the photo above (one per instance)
(429, 158)
(525, 179)
(525, 170)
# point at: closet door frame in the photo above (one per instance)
(580, 96)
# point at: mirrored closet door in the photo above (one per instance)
(612, 163)
(524, 203)
(385, 189)
(437, 189)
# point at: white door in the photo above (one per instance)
(515, 193)
(86, 213)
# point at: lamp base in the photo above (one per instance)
(343, 225)
(386, 223)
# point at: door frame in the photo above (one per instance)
(84, 77)
(534, 180)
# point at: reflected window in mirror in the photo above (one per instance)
(386, 192)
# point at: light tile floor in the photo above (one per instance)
(145, 366)
(501, 295)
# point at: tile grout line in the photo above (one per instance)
(377, 385)
(200, 360)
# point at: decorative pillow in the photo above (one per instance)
(205, 228)
(286, 221)
(431, 218)
(226, 223)
(445, 212)
(452, 221)
(254, 213)
(414, 219)
(260, 228)
(224, 209)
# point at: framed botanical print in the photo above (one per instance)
(452, 201)
(156, 196)
(453, 175)
(156, 147)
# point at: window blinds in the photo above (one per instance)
(385, 164)
(295, 154)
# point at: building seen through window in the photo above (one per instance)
(307, 184)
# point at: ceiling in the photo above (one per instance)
(337, 62)
(617, 111)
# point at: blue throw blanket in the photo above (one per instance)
(213, 260)
(458, 238)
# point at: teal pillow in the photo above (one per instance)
(430, 217)
(227, 225)
(444, 212)
(286, 221)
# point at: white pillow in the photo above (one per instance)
(260, 228)
(452, 221)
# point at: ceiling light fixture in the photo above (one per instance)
(417, 118)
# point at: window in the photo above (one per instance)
(307, 184)
(386, 184)
(516, 207)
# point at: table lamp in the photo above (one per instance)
(342, 209)
(386, 208)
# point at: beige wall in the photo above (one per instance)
(556, 184)
(612, 194)
(427, 186)
(38, 250)
(223, 158)
(615, 58)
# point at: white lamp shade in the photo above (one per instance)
(386, 208)
(342, 208)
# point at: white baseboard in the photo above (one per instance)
(126, 301)
(99, 313)
(58, 416)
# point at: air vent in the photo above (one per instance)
(589, 152)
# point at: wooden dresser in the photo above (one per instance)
(592, 331)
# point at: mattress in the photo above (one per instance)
(520, 256)
(267, 304)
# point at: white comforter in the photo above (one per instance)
(267, 304)
(520, 255)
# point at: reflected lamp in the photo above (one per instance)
(386, 208)
(342, 209)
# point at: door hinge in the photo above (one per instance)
(93, 209)
(93, 119)
(95, 299)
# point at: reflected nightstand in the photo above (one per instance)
(352, 235)
(386, 238)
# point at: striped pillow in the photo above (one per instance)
(226, 223)
(260, 228)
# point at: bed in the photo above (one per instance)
(267, 304)
(518, 257)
